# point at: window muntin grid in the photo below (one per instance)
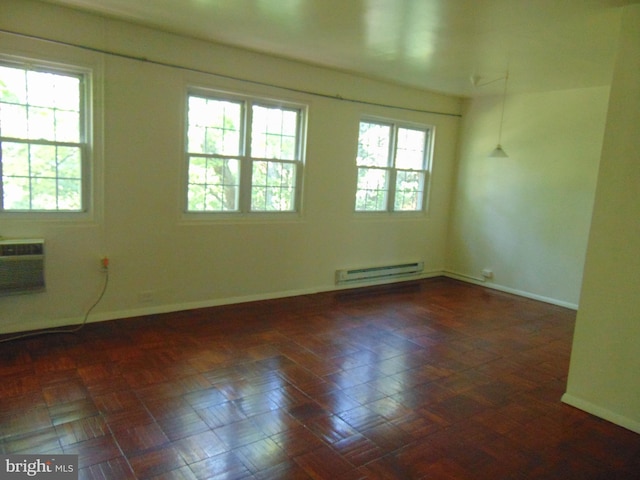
(392, 163)
(42, 140)
(243, 156)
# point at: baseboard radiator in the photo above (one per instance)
(21, 266)
(377, 273)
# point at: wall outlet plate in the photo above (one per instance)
(487, 274)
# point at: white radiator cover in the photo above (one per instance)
(380, 272)
(21, 266)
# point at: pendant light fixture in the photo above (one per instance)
(499, 152)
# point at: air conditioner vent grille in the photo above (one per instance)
(17, 249)
(21, 266)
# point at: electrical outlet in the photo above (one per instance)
(487, 274)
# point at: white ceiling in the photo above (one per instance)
(431, 44)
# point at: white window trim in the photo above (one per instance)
(86, 69)
(390, 211)
(244, 213)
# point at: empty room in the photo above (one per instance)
(316, 239)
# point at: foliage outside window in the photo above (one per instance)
(392, 166)
(243, 155)
(42, 139)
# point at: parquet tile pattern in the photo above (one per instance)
(434, 379)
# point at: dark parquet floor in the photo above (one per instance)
(434, 379)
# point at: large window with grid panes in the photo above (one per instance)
(393, 162)
(244, 155)
(44, 146)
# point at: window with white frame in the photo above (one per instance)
(392, 161)
(43, 139)
(244, 155)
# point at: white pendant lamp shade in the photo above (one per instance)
(498, 152)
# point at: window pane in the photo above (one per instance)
(44, 194)
(15, 159)
(213, 184)
(67, 126)
(223, 179)
(372, 189)
(42, 159)
(13, 85)
(409, 191)
(274, 133)
(373, 145)
(69, 194)
(196, 136)
(41, 89)
(67, 93)
(41, 123)
(69, 162)
(273, 187)
(410, 148)
(13, 121)
(198, 170)
(196, 198)
(214, 126)
(16, 193)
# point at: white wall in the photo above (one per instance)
(605, 361)
(527, 217)
(162, 261)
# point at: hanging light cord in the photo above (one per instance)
(504, 100)
(66, 330)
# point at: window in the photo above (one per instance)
(392, 166)
(43, 145)
(243, 155)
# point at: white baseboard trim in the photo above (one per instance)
(46, 324)
(177, 307)
(41, 324)
(502, 288)
(604, 413)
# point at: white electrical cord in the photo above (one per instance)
(68, 330)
